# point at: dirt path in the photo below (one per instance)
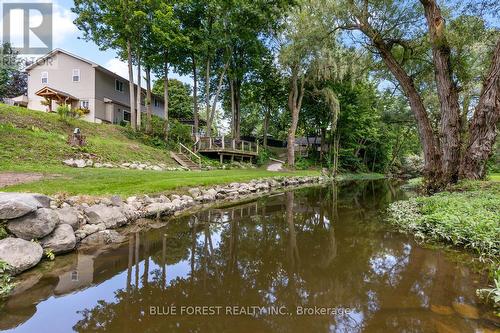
(12, 178)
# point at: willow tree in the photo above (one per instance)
(408, 36)
(308, 53)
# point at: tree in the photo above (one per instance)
(111, 25)
(399, 35)
(168, 35)
(309, 52)
(179, 95)
(13, 82)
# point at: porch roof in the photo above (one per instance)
(55, 94)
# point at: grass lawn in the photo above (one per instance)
(130, 182)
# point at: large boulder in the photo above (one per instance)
(103, 237)
(68, 215)
(112, 217)
(20, 254)
(159, 208)
(61, 240)
(35, 225)
(89, 229)
(13, 205)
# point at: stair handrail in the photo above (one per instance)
(198, 158)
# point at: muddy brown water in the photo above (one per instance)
(310, 260)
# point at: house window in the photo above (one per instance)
(45, 77)
(119, 85)
(74, 276)
(76, 75)
(84, 104)
(126, 116)
(157, 103)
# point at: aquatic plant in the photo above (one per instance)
(6, 284)
(492, 294)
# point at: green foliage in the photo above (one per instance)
(49, 254)
(468, 219)
(63, 111)
(180, 133)
(180, 101)
(263, 157)
(3, 232)
(304, 163)
(13, 81)
(492, 294)
(6, 284)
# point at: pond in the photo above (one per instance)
(316, 259)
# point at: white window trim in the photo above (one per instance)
(44, 75)
(75, 70)
(82, 101)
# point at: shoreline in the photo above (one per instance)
(39, 226)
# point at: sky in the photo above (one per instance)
(67, 36)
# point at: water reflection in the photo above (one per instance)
(318, 247)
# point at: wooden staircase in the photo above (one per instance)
(183, 157)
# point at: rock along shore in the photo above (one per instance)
(38, 224)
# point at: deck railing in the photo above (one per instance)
(221, 143)
(190, 154)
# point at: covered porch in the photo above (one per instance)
(58, 96)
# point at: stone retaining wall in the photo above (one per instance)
(37, 223)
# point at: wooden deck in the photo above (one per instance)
(226, 146)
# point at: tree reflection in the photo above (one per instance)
(313, 247)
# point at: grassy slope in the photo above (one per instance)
(34, 140)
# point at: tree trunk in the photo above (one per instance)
(133, 117)
(207, 97)
(294, 104)
(447, 92)
(139, 91)
(195, 96)
(165, 96)
(149, 101)
(483, 130)
(266, 127)
(432, 155)
(322, 144)
(237, 108)
(216, 99)
(231, 91)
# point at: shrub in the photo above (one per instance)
(263, 156)
(63, 111)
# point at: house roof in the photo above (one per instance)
(308, 140)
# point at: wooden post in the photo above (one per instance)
(210, 143)
(234, 144)
(257, 147)
(221, 158)
(223, 142)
